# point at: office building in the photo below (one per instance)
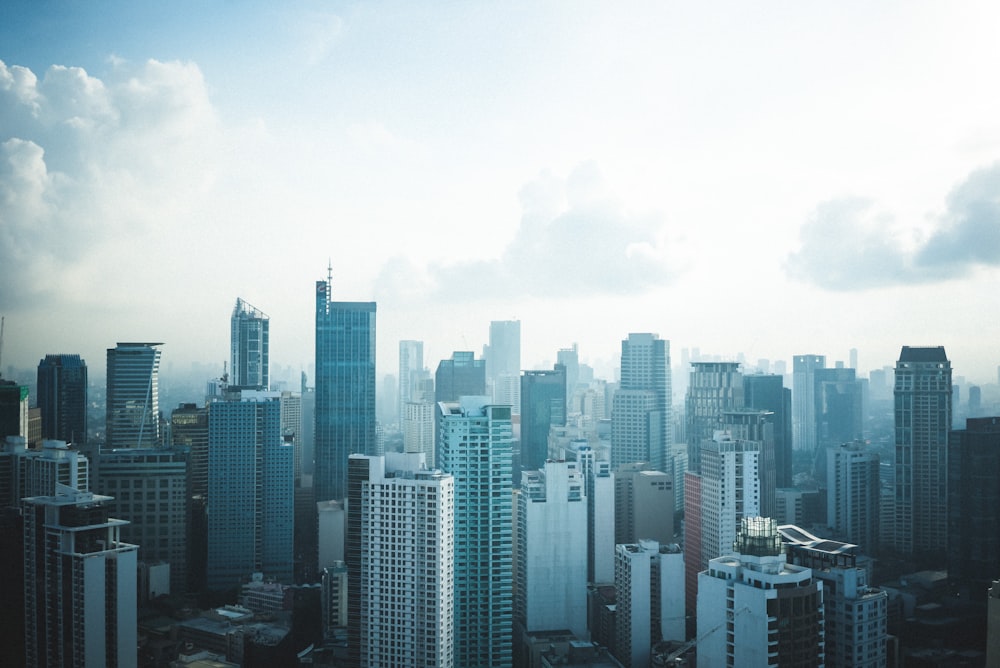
(772, 613)
(476, 447)
(644, 505)
(641, 414)
(543, 405)
(79, 583)
(400, 562)
(62, 398)
(714, 387)
(503, 363)
(749, 424)
(418, 429)
(551, 556)
(768, 393)
(922, 399)
(13, 410)
(692, 543)
(411, 370)
(462, 375)
(649, 589)
(345, 388)
(249, 345)
(570, 358)
(974, 504)
(148, 488)
(599, 486)
(839, 407)
(855, 615)
(189, 430)
(804, 369)
(852, 494)
(251, 505)
(133, 396)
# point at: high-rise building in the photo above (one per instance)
(852, 494)
(503, 363)
(748, 424)
(133, 396)
(993, 624)
(551, 553)
(189, 430)
(804, 369)
(768, 393)
(25, 472)
(570, 358)
(62, 397)
(923, 419)
(974, 503)
(400, 562)
(855, 615)
(345, 388)
(644, 505)
(543, 405)
(250, 491)
(714, 387)
(649, 587)
(79, 583)
(641, 417)
(411, 368)
(476, 447)
(773, 611)
(13, 409)
(148, 487)
(249, 347)
(599, 486)
(418, 429)
(729, 489)
(462, 375)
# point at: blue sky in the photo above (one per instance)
(772, 179)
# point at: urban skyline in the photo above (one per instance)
(600, 165)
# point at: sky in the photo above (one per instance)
(771, 179)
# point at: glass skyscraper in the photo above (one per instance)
(249, 344)
(62, 397)
(133, 396)
(345, 389)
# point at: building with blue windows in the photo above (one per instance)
(345, 389)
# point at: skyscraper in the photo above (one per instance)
(852, 493)
(922, 399)
(400, 562)
(62, 396)
(411, 368)
(13, 409)
(649, 579)
(476, 443)
(643, 398)
(79, 583)
(644, 505)
(345, 388)
(768, 393)
(461, 376)
(503, 362)
(804, 368)
(974, 503)
(714, 387)
(250, 491)
(552, 550)
(249, 347)
(543, 405)
(133, 396)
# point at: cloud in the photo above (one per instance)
(89, 167)
(848, 245)
(575, 239)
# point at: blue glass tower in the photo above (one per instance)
(345, 388)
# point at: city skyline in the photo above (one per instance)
(594, 171)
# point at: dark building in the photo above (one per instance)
(768, 393)
(543, 405)
(345, 388)
(62, 398)
(974, 504)
(460, 376)
(13, 409)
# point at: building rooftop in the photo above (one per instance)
(936, 354)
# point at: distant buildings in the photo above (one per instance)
(923, 420)
(772, 612)
(767, 392)
(79, 583)
(476, 447)
(804, 368)
(411, 369)
(249, 347)
(853, 494)
(62, 398)
(133, 396)
(503, 363)
(641, 411)
(345, 388)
